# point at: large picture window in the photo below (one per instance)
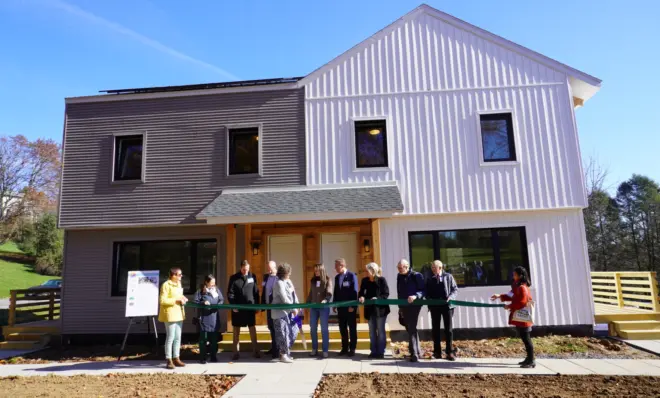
(196, 258)
(370, 143)
(475, 257)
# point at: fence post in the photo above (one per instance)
(12, 308)
(654, 291)
(619, 289)
(51, 306)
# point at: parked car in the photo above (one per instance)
(49, 284)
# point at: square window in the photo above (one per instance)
(497, 137)
(244, 151)
(370, 143)
(128, 157)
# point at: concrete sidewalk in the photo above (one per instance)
(275, 379)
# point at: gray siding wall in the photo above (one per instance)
(185, 154)
(87, 304)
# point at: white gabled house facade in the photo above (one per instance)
(480, 136)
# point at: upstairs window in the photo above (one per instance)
(497, 140)
(370, 143)
(128, 158)
(243, 151)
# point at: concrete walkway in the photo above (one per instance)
(299, 379)
(647, 345)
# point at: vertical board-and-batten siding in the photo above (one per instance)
(185, 154)
(430, 79)
(87, 302)
(559, 269)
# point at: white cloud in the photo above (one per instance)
(92, 18)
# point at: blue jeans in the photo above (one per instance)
(314, 315)
(173, 340)
(377, 336)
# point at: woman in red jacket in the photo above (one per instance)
(519, 296)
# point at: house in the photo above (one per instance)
(432, 139)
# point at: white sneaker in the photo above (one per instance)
(314, 353)
(325, 355)
(285, 359)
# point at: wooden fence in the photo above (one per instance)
(33, 305)
(626, 289)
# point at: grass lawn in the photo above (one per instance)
(18, 273)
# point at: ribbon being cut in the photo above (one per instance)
(352, 303)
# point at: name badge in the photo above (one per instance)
(318, 283)
(347, 284)
(250, 280)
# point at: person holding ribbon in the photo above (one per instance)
(320, 292)
(172, 314)
(346, 289)
(410, 287)
(374, 287)
(441, 286)
(286, 329)
(520, 297)
(207, 319)
(269, 281)
(243, 290)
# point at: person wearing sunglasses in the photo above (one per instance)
(172, 314)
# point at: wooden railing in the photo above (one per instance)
(626, 289)
(33, 305)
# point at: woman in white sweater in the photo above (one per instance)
(286, 330)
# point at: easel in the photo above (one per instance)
(151, 320)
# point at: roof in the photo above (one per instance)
(203, 86)
(582, 84)
(276, 204)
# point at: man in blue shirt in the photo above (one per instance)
(346, 289)
(266, 298)
(410, 287)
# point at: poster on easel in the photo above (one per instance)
(142, 293)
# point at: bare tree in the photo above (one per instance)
(595, 175)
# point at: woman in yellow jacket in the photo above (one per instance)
(172, 314)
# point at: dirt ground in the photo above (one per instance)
(546, 347)
(497, 386)
(115, 386)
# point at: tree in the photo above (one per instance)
(49, 245)
(29, 180)
(603, 228)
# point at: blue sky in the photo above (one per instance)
(53, 49)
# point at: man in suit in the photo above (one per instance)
(267, 298)
(410, 287)
(441, 286)
(346, 289)
(243, 289)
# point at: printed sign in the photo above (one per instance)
(142, 293)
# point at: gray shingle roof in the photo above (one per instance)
(336, 200)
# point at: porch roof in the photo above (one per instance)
(303, 203)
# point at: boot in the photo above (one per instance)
(170, 364)
(528, 363)
(177, 362)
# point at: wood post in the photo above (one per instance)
(619, 289)
(12, 308)
(654, 291)
(375, 241)
(51, 305)
(230, 260)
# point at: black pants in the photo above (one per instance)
(525, 335)
(446, 314)
(271, 329)
(411, 315)
(347, 323)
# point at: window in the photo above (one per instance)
(475, 257)
(243, 151)
(370, 143)
(128, 157)
(196, 258)
(497, 140)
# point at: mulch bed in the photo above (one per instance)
(115, 386)
(497, 386)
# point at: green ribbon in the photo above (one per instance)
(340, 304)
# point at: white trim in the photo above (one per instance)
(516, 137)
(259, 127)
(375, 184)
(175, 94)
(143, 171)
(257, 218)
(388, 143)
(460, 24)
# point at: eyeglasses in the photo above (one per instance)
(178, 274)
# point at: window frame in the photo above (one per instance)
(114, 277)
(388, 140)
(513, 137)
(113, 162)
(228, 128)
(496, 248)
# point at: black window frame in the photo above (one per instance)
(193, 262)
(496, 249)
(246, 130)
(355, 140)
(508, 117)
(116, 172)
